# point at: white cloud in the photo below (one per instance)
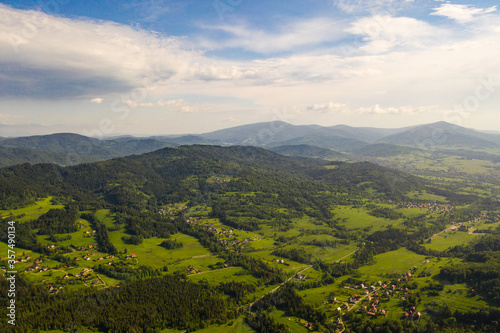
(383, 32)
(289, 36)
(329, 107)
(176, 105)
(372, 6)
(83, 56)
(401, 66)
(462, 13)
(97, 100)
(340, 108)
(400, 110)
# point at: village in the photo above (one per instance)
(368, 298)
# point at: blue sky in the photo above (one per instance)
(168, 67)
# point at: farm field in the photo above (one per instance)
(31, 212)
(281, 256)
(358, 218)
(449, 239)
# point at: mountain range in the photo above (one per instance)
(334, 142)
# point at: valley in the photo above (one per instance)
(244, 239)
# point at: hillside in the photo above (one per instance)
(384, 150)
(360, 141)
(367, 134)
(165, 174)
(236, 237)
(309, 151)
(16, 155)
(327, 142)
(443, 134)
(274, 134)
(69, 149)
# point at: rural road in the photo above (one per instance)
(453, 227)
(300, 272)
(279, 286)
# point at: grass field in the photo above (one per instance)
(295, 325)
(150, 254)
(358, 218)
(393, 262)
(106, 217)
(446, 240)
(424, 195)
(397, 263)
(78, 238)
(31, 212)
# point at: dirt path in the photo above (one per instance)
(279, 286)
(99, 277)
(215, 270)
(453, 227)
(202, 256)
(300, 272)
(347, 255)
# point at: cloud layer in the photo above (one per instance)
(462, 13)
(375, 62)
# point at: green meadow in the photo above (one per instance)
(358, 218)
(31, 212)
(446, 240)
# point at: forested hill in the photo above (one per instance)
(71, 149)
(187, 172)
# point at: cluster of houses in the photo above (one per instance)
(223, 232)
(88, 233)
(371, 293)
(475, 219)
(432, 206)
(88, 255)
(220, 181)
(238, 244)
(171, 210)
(84, 272)
(191, 270)
(36, 268)
(192, 220)
(53, 290)
(25, 259)
(309, 326)
(300, 277)
(413, 314)
(371, 309)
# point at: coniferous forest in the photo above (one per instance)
(208, 237)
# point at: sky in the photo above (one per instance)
(158, 67)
